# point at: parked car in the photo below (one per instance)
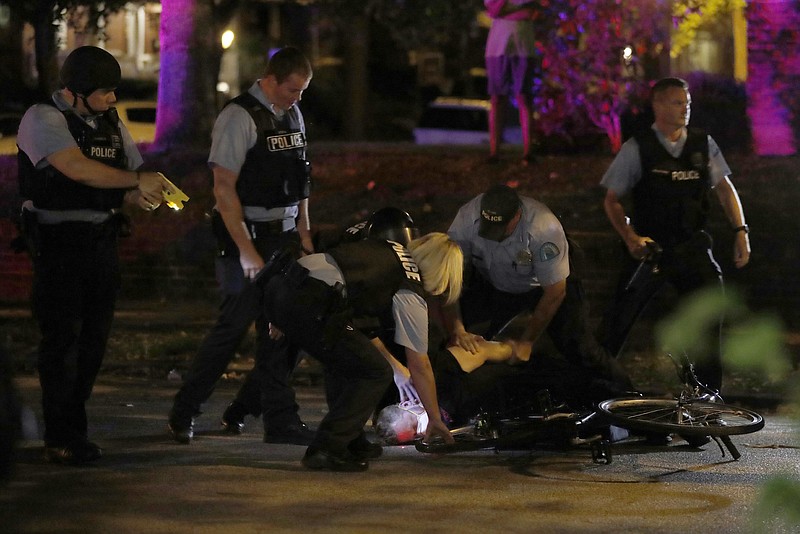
(139, 117)
(9, 125)
(460, 121)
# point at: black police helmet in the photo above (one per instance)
(392, 224)
(89, 68)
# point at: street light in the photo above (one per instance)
(227, 39)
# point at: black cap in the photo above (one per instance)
(89, 68)
(498, 206)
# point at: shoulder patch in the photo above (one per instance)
(548, 251)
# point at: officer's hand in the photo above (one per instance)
(145, 200)
(275, 332)
(741, 250)
(466, 340)
(637, 246)
(151, 183)
(251, 263)
(437, 429)
(402, 379)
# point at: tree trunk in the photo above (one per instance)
(11, 60)
(46, 54)
(190, 58)
(357, 80)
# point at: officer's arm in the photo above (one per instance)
(732, 206)
(74, 165)
(401, 374)
(454, 326)
(636, 244)
(552, 297)
(304, 227)
(232, 213)
(422, 375)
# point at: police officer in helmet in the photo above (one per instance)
(77, 166)
(392, 224)
(313, 303)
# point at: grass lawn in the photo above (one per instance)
(160, 332)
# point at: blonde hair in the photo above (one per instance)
(441, 264)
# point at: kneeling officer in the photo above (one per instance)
(313, 302)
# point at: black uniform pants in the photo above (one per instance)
(76, 280)
(356, 374)
(266, 390)
(569, 328)
(688, 266)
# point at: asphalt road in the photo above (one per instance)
(219, 483)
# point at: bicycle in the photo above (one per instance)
(526, 427)
(697, 412)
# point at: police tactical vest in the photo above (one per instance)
(670, 202)
(275, 172)
(50, 189)
(373, 272)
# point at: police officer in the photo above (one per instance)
(76, 165)
(389, 223)
(669, 171)
(261, 187)
(519, 256)
(314, 301)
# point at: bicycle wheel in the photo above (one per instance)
(689, 419)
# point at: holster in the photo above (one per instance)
(29, 238)
(119, 224)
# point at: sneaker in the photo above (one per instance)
(233, 418)
(76, 453)
(325, 460)
(294, 434)
(616, 433)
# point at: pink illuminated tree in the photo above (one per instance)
(190, 59)
(597, 56)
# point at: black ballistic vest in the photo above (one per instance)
(50, 189)
(275, 172)
(670, 202)
(374, 271)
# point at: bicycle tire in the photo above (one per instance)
(689, 419)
